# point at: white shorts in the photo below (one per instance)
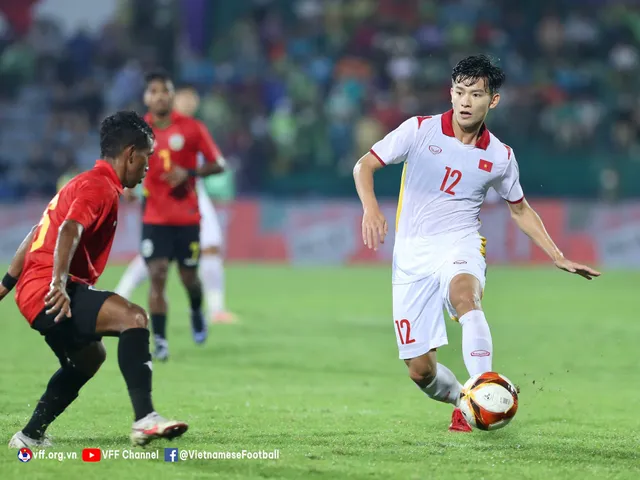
(418, 307)
(210, 232)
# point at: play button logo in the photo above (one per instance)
(91, 455)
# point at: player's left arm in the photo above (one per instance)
(214, 161)
(509, 188)
(530, 223)
(15, 269)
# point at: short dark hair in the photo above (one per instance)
(154, 75)
(122, 130)
(473, 68)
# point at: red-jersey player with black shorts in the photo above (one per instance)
(55, 269)
(171, 218)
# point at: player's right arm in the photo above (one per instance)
(85, 210)
(393, 148)
(15, 269)
(374, 225)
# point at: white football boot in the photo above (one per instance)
(20, 440)
(155, 426)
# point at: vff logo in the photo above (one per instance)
(25, 454)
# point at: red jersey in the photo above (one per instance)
(90, 199)
(179, 144)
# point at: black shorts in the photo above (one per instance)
(171, 242)
(70, 335)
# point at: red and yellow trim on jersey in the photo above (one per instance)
(401, 195)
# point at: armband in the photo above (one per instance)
(9, 282)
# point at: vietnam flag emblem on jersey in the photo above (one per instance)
(485, 165)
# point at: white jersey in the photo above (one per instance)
(444, 183)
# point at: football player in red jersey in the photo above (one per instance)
(211, 269)
(55, 269)
(171, 217)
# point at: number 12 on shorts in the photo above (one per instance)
(404, 331)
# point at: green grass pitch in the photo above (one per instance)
(312, 370)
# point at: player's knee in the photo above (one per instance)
(158, 272)
(137, 317)
(466, 301)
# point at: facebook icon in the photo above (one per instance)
(171, 455)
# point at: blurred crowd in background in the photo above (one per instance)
(295, 91)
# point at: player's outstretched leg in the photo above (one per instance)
(465, 294)
(63, 388)
(133, 276)
(158, 270)
(439, 383)
(212, 274)
(129, 322)
(420, 330)
(191, 282)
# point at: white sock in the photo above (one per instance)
(212, 275)
(135, 274)
(445, 387)
(477, 347)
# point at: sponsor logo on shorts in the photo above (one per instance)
(480, 353)
(146, 248)
(190, 262)
(460, 262)
(435, 149)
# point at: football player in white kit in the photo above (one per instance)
(186, 101)
(450, 162)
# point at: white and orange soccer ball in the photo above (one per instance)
(490, 401)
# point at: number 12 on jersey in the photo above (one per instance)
(454, 176)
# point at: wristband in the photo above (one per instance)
(192, 172)
(9, 282)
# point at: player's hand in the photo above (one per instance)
(374, 228)
(3, 291)
(58, 301)
(176, 176)
(572, 267)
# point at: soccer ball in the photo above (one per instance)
(489, 401)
